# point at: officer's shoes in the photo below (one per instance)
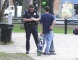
(27, 52)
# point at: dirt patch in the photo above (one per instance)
(14, 56)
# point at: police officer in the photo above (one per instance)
(30, 18)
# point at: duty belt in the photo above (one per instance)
(31, 24)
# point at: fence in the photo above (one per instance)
(64, 25)
(67, 24)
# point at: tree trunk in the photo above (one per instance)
(24, 7)
(51, 3)
(2, 11)
(15, 13)
(39, 7)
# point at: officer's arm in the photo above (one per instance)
(25, 19)
(35, 19)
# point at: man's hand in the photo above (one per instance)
(41, 34)
(51, 27)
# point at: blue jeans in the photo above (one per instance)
(48, 37)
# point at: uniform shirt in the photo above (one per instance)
(46, 20)
(28, 14)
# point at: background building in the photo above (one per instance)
(57, 7)
(65, 8)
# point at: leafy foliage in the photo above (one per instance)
(19, 2)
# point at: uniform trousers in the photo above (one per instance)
(31, 29)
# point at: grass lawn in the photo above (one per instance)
(14, 56)
(17, 28)
(56, 29)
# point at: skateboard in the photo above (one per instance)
(40, 43)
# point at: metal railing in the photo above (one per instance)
(65, 23)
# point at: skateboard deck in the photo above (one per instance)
(40, 43)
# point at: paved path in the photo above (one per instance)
(66, 47)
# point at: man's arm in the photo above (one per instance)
(51, 27)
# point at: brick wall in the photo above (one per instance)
(56, 6)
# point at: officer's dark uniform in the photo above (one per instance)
(30, 27)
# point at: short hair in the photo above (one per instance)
(47, 8)
(31, 6)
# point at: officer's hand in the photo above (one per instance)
(32, 18)
(25, 19)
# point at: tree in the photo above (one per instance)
(2, 10)
(24, 3)
(17, 3)
(39, 5)
(51, 3)
(24, 7)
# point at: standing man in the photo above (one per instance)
(30, 18)
(47, 22)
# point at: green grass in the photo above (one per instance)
(2, 53)
(17, 28)
(14, 56)
(56, 29)
(60, 30)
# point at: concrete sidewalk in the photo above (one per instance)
(66, 47)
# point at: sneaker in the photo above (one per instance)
(27, 52)
(46, 53)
